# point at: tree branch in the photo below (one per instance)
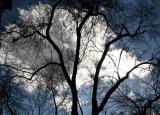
(55, 46)
(42, 67)
(116, 85)
(78, 32)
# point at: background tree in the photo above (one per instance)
(12, 94)
(140, 95)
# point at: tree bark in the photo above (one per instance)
(74, 102)
(95, 110)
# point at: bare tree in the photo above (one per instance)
(140, 95)
(79, 21)
(12, 93)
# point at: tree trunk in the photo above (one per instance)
(55, 105)
(1, 111)
(95, 110)
(143, 112)
(74, 102)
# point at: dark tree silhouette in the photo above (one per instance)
(122, 25)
